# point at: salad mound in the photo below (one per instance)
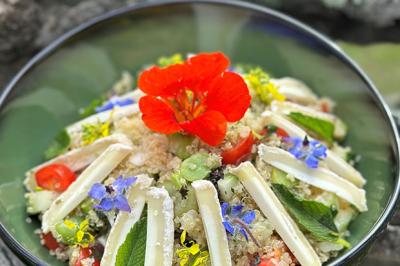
(199, 163)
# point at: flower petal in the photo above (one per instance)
(243, 232)
(106, 204)
(248, 217)
(236, 210)
(207, 66)
(163, 82)
(121, 203)
(224, 208)
(210, 127)
(229, 95)
(97, 191)
(158, 116)
(228, 227)
(311, 161)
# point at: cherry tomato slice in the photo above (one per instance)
(266, 262)
(49, 241)
(239, 152)
(282, 133)
(56, 177)
(85, 253)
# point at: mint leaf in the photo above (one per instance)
(321, 128)
(132, 251)
(59, 145)
(91, 108)
(313, 216)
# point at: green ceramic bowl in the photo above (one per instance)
(45, 96)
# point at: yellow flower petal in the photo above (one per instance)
(194, 249)
(84, 225)
(70, 224)
(201, 259)
(79, 236)
(183, 238)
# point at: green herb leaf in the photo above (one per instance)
(59, 145)
(132, 252)
(323, 129)
(312, 216)
(91, 108)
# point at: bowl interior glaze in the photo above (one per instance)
(48, 96)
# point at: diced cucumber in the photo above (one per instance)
(343, 218)
(39, 201)
(178, 144)
(226, 186)
(195, 167)
(280, 177)
(185, 204)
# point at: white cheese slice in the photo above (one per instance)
(160, 228)
(295, 90)
(124, 222)
(210, 211)
(333, 161)
(78, 190)
(319, 177)
(77, 159)
(273, 209)
(116, 113)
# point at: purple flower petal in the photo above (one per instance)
(236, 210)
(224, 208)
(105, 107)
(311, 161)
(106, 204)
(228, 227)
(121, 184)
(248, 217)
(121, 203)
(114, 102)
(97, 191)
(243, 232)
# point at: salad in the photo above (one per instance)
(199, 162)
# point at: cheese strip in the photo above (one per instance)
(79, 189)
(333, 161)
(136, 196)
(77, 159)
(116, 113)
(319, 177)
(210, 210)
(285, 108)
(273, 209)
(160, 224)
(295, 90)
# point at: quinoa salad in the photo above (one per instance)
(196, 161)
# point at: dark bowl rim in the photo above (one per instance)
(387, 213)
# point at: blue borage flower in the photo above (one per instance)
(235, 220)
(114, 101)
(309, 151)
(112, 196)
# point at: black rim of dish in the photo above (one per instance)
(383, 220)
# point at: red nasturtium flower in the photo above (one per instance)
(198, 96)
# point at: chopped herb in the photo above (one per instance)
(313, 216)
(59, 145)
(170, 60)
(133, 250)
(91, 108)
(321, 128)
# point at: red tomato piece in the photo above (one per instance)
(239, 152)
(85, 253)
(325, 107)
(49, 241)
(55, 177)
(282, 133)
(266, 262)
